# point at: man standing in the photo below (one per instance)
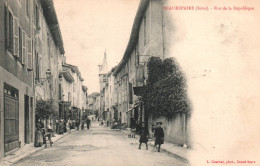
(159, 136)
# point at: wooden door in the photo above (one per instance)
(11, 119)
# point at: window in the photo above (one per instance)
(136, 57)
(104, 78)
(11, 32)
(29, 54)
(60, 92)
(8, 30)
(20, 45)
(37, 24)
(37, 67)
(27, 8)
(23, 46)
(69, 97)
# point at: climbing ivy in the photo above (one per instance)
(165, 93)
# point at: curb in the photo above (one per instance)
(184, 159)
(16, 159)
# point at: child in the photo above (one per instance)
(143, 136)
(159, 136)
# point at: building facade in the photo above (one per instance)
(48, 50)
(93, 103)
(31, 47)
(148, 38)
(74, 92)
(16, 76)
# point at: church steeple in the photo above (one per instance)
(103, 69)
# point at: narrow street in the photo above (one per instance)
(99, 146)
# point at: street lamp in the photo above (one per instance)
(42, 80)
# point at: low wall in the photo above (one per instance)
(176, 129)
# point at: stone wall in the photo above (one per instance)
(176, 129)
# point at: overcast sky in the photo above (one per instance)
(89, 27)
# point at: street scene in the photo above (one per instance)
(99, 146)
(129, 82)
(71, 94)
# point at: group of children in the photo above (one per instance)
(158, 134)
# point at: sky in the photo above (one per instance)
(89, 28)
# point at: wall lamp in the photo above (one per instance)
(42, 80)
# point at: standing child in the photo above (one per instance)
(143, 136)
(159, 136)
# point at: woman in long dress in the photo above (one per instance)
(38, 134)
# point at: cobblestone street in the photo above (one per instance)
(99, 146)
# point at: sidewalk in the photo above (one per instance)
(27, 150)
(175, 150)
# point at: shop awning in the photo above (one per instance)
(130, 109)
(65, 103)
(135, 105)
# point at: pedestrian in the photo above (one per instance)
(82, 125)
(159, 136)
(77, 124)
(49, 128)
(138, 126)
(61, 125)
(69, 124)
(64, 126)
(143, 136)
(88, 123)
(38, 134)
(133, 127)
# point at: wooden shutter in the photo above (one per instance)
(15, 37)
(29, 53)
(6, 27)
(25, 49)
(23, 45)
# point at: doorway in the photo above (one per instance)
(26, 120)
(11, 118)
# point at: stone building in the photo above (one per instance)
(49, 52)
(30, 51)
(149, 37)
(74, 93)
(93, 105)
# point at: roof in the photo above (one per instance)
(134, 34)
(111, 71)
(75, 69)
(67, 76)
(94, 94)
(52, 21)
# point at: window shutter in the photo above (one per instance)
(29, 53)
(25, 49)
(24, 55)
(15, 37)
(6, 27)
